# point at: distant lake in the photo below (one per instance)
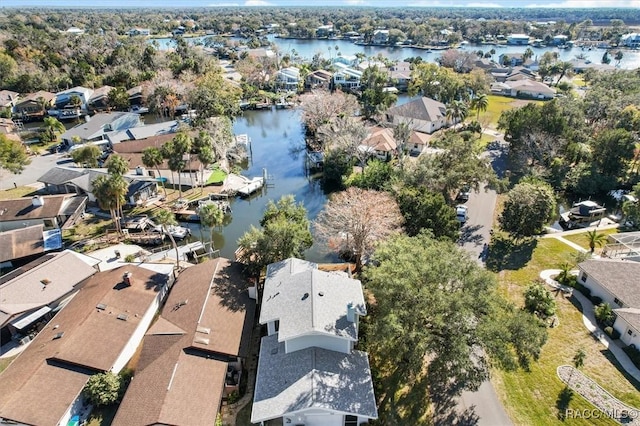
(327, 48)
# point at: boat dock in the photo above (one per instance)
(242, 185)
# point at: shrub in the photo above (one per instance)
(233, 397)
(609, 331)
(130, 258)
(604, 314)
(103, 389)
(539, 300)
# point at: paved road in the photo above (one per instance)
(39, 165)
(484, 403)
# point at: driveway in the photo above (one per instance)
(39, 165)
(484, 403)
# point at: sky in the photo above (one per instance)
(325, 3)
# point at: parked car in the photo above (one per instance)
(462, 213)
(463, 194)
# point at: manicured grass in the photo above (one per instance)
(21, 191)
(532, 397)
(217, 177)
(498, 104)
(581, 238)
(4, 362)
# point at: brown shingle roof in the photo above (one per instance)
(23, 209)
(163, 389)
(381, 139)
(40, 384)
(139, 145)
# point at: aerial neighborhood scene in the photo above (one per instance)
(351, 213)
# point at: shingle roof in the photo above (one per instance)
(311, 378)
(59, 175)
(21, 242)
(620, 277)
(23, 208)
(97, 125)
(424, 108)
(630, 315)
(26, 291)
(164, 390)
(41, 383)
(530, 85)
(307, 300)
(381, 139)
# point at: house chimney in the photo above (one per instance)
(37, 201)
(351, 312)
(126, 278)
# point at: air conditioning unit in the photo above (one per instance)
(25, 340)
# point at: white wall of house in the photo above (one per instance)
(420, 125)
(599, 291)
(136, 337)
(331, 343)
(628, 334)
(317, 417)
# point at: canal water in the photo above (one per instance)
(277, 147)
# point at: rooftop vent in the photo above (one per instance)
(45, 281)
(58, 335)
(123, 317)
(351, 312)
(101, 306)
(203, 330)
(126, 278)
(37, 201)
(274, 351)
(320, 293)
(202, 340)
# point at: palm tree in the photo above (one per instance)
(152, 158)
(210, 216)
(52, 126)
(563, 68)
(165, 218)
(565, 272)
(595, 239)
(203, 148)
(43, 104)
(110, 192)
(528, 54)
(457, 111)
(175, 152)
(480, 103)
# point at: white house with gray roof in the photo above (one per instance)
(424, 115)
(308, 371)
(616, 283)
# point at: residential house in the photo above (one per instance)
(518, 39)
(380, 37)
(319, 79)
(143, 132)
(18, 244)
(96, 128)
(380, 143)
(7, 126)
(529, 89)
(288, 78)
(99, 100)
(309, 371)
(418, 143)
(325, 31)
(560, 40)
(616, 283)
(64, 97)
(424, 115)
(8, 99)
(34, 105)
(581, 65)
(624, 245)
(350, 61)
(631, 40)
(38, 290)
(98, 330)
(135, 95)
(400, 75)
(512, 73)
(346, 78)
(51, 211)
(80, 181)
(511, 59)
(203, 332)
(139, 32)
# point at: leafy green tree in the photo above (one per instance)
(214, 96)
(117, 165)
(538, 300)
(439, 83)
(613, 149)
(423, 209)
(86, 156)
(175, 152)
(377, 175)
(152, 158)
(13, 155)
(449, 319)
(51, 126)
(374, 98)
(285, 233)
(631, 209)
(166, 218)
(595, 239)
(103, 389)
(528, 208)
(118, 99)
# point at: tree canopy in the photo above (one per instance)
(13, 155)
(528, 208)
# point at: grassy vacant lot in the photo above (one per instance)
(498, 104)
(582, 241)
(533, 397)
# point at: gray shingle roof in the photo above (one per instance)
(308, 300)
(60, 175)
(311, 378)
(630, 315)
(421, 109)
(620, 277)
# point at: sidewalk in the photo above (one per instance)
(589, 320)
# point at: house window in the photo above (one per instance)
(277, 325)
(618, 302)
(584, 277)
(350, 420)
(629, 332)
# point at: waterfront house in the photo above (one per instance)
(17, 245)
(380, 143)
(346, 78)
(529, 89)
(319, 79)
(581, 65)
(616, 283)
(511, 59)
(350, 61)
(288, 78)
(424, 115)
(95, 128)
(631, 40)
(560, 40)
(98, 330)
(309, 371)
(380, 37)
(139, 32)
(400, 75)
(193, 355)
(99, 100)
(64, 97)
(37, 290)
(511, 73)
(325, 31)
(518, 39)
(51, 211)
(34, 105)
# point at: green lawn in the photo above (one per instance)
(533, 397)
(581, 238)
(19, 192)
(4, 362)
(498, 104)
(217, 177)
